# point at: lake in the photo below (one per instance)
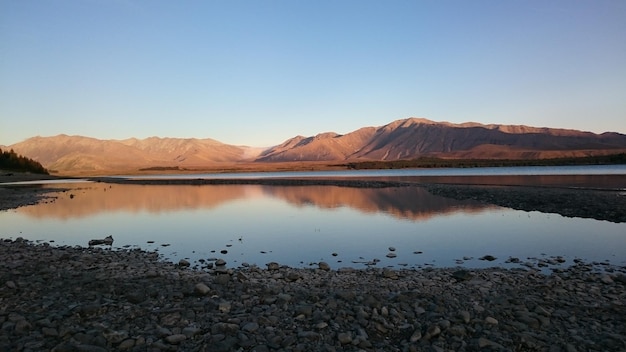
(343, 226)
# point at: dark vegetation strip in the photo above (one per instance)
(429, 162)
(10, 160)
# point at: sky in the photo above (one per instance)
(259, 72)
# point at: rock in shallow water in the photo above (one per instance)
(107, 241)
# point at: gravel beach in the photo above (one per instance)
(95, 299)
(98, 299)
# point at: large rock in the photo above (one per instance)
(108, 241)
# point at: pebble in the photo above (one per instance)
(324, 266)
(176, 339)
(465, 316)
(491, 321)
(98, 299)
(202, 288)
(344, 338)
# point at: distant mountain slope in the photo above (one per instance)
(402, 139)
(413, 138)
(77, 154)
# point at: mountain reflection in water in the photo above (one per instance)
(413, 203)
(302, 225)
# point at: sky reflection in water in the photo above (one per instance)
(299, 225)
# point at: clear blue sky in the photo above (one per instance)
(259, 72)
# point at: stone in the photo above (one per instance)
(224, 307)
(242, 277)
(183, 263)
(220, 262)
(292, 276)
(462, 275)
(606, 279)
(222, 279)
(321, 325)
(162, 331)
(107, 241)
(191, 331)
(202, 289)
(389, 273)
(50, 332)
(457, 330)
(250, 327)
(284, 297)
(491, 321)
(416, 336)
(323, 266)
(488, 258)
(22, 326)
(176, 339)
(91, 348)
(433, 331)
(224, 328)
(115, 336)
(344, 338)
(483, 343)
(465, 316)
(309, 335)
(391, 255)
(126, 344)
(304, 309)
(273, 266)
(136, 296)
(261, 348)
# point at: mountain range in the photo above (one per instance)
(399, 140)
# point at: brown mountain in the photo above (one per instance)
(413, 138)
(77, 154)
(402, 139)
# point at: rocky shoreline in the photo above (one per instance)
(97, 299)
(609, 205)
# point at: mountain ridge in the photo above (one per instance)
(408, 138)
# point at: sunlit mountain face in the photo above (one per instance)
(399, 140)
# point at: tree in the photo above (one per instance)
(12, 161)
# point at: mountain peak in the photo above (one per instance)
(401, 139)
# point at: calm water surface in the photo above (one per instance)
(300, 225)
